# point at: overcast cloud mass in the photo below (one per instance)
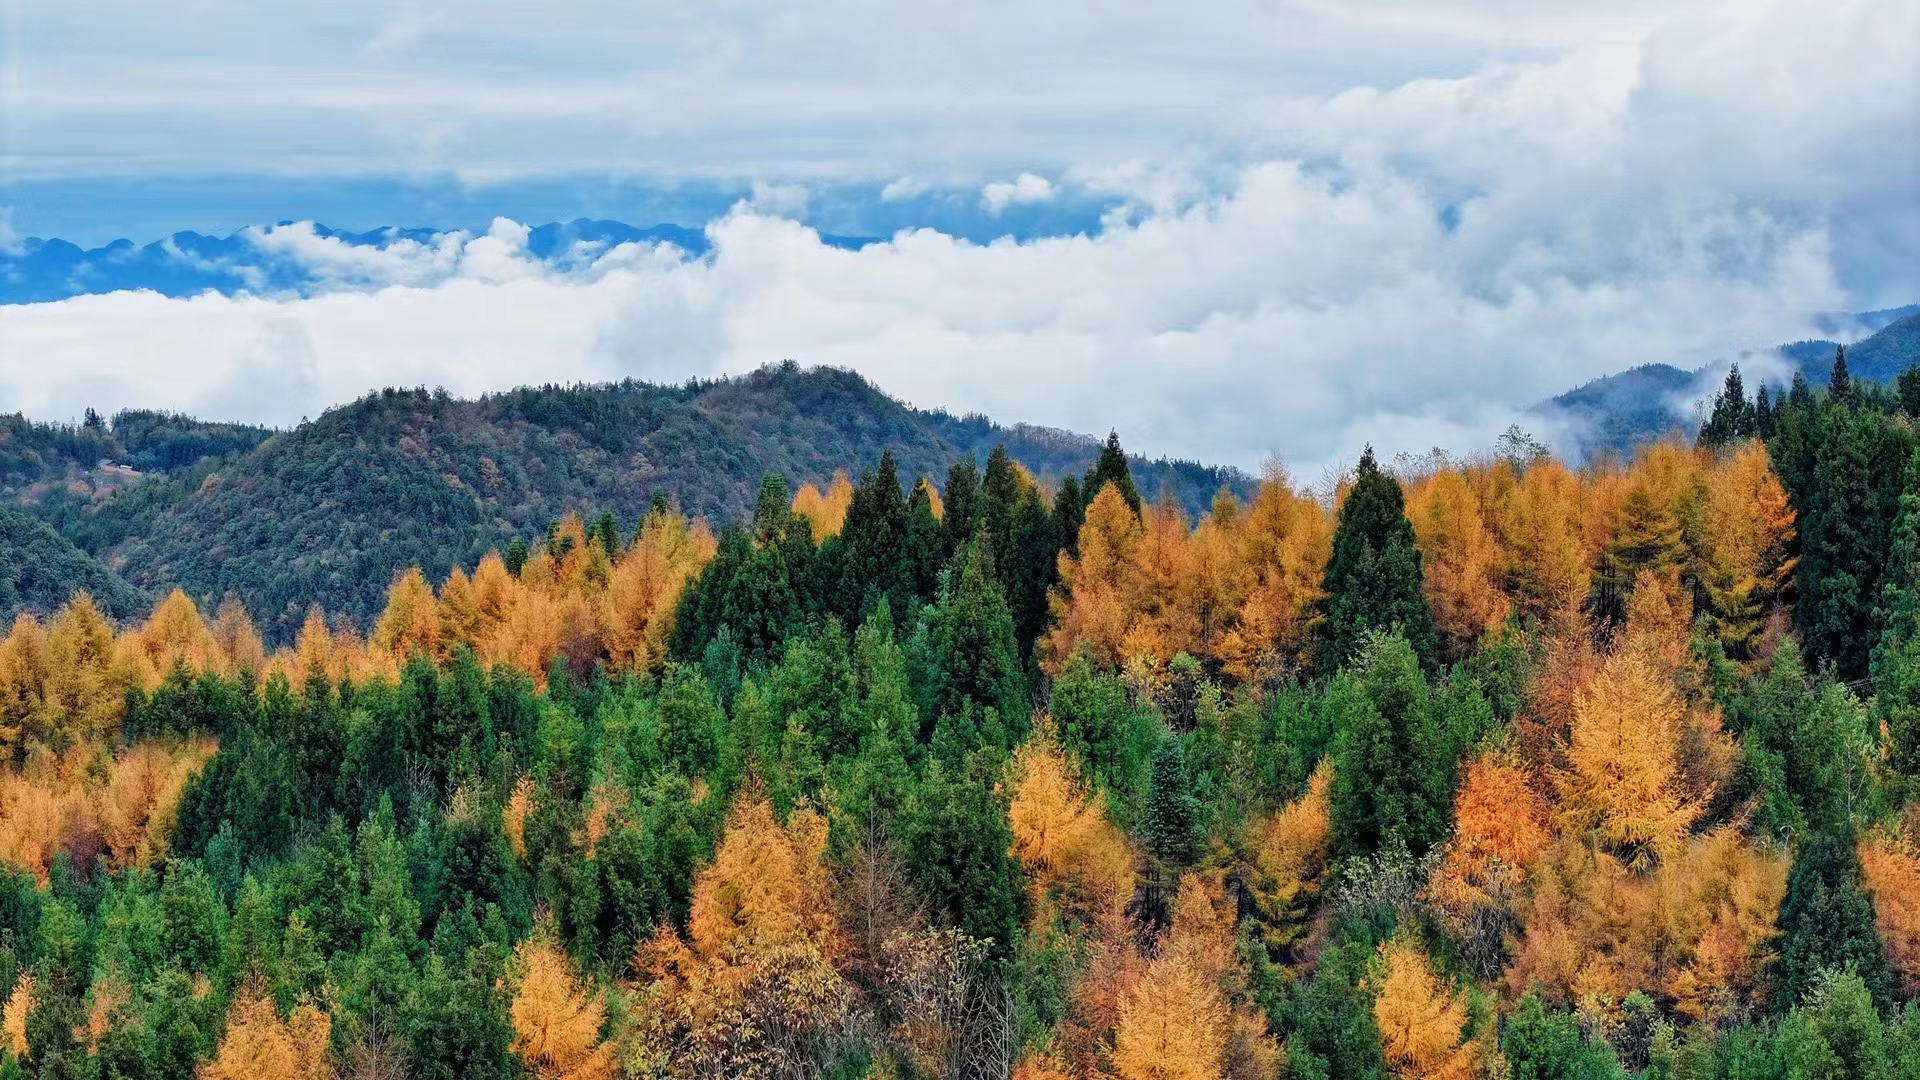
(1323, 224)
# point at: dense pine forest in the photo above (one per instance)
(1479, 768)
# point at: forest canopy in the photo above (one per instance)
(1485, 768)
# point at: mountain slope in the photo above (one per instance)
(329, 511)
(1614, 413)
(40, 569)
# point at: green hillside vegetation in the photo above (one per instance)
(329, 512)
(40, 569)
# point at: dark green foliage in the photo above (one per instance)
(1069, 513)
(1170, 825)
(956, 837)
(1827, 921)
(871, 559)
(1732, 417)
(1801, 747)
(1024, 542)
(41, 570)
(1333, 1035)
(760, 586)
(1839, 383)
(689, 722)
(1543, 1045)
(1845, 470)
(1373, 578)
(1394, 756)
(1836, 1032)
(140, 440)
(1111, 469)
(1112, 740)
(975, 659)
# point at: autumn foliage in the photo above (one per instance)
(260, 1045)
(1498, 540)
(556, 1018)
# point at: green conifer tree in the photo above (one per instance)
(1170, 825)
(1827, 920)
(1373, 580)
(1111, 468)
(1393, 761)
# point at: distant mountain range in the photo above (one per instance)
(329, 511)
(256, 260)
(1614, 413)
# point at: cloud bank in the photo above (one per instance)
(1409, 265)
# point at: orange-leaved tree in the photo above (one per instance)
(556, 1017)
(1421, 1018)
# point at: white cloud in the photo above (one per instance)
(1024, 189)
(1408, 261)
(906, 187)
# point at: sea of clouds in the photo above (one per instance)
(1410, 265)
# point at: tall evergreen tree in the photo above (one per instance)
(975, 658)
(962, 503)
(1827, 920)
(956, 833)
(873, 544)
(1069, 513)
(1732, 418)
(1763, 418)
(1393, 759)
(924, 553)
(1907, 389)
(1170, 824)
(1839, 383)
(1849, 470)
(1111, 468)
(1373, 580)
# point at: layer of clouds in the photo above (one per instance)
(1410, 260)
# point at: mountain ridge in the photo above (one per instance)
(331, 509)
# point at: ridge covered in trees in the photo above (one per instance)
(329, 511)
(1485, 768)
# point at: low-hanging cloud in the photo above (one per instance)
(1410, 266)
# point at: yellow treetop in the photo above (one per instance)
(1622, 776)
(1420, 1017)
(556, 1018)
(259, 1045)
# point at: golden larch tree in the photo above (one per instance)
(1622, 777)
(556, 1017)
(1890, 865)
(1421, 1018)
(1288, 851)
(646, 584)
(410, 624)
(1545, 565)
(1093, 604)
(259, 1045)
(1285, 540)
(1460, 561)
(1061, 835)
(825, 511)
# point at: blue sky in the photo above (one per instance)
(1231, 229)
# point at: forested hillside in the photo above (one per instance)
(40, 570)
(1489, 769)
(330, 511)
(1615, 413)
